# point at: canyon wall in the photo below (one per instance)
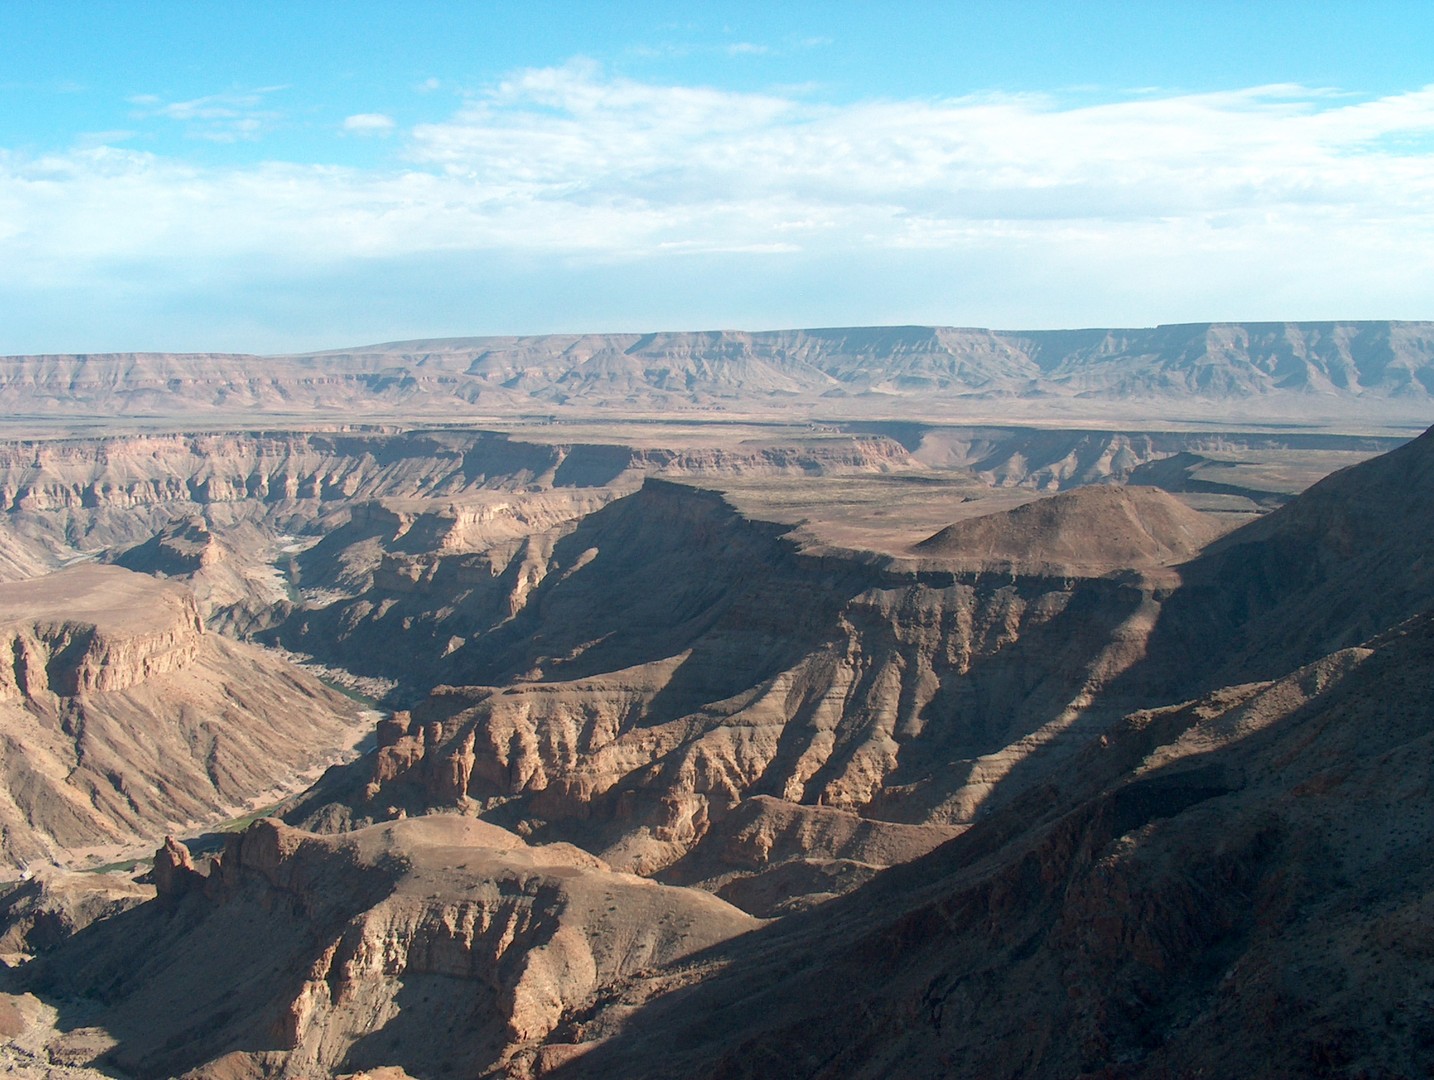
(1292, 368)
(121, 716)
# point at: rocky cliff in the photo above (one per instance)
(121, 717)
(1193, 897)
(644, 674)
(440, 945)
(91, 629)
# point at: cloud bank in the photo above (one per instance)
(1293, 197)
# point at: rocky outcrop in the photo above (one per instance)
(92, 628)
(302, 955)
(121, 717)
(186, 546)
(50, 906)
(1192, 897)
(174, 873)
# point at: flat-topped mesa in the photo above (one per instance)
(92, 628)
(1087, 532)
(1376, 369)
(185, 546)
(121, 718)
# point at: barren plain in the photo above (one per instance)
(837, 703)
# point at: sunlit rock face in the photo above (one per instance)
(442, 944)
(120, 715)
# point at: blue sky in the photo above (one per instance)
(266, 177)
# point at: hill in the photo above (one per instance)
(1088, 531)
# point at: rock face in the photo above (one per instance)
(1193, 897)
(667, 659)
(186, 546)
(91, 628)
(439, 946)
(120, 715)
(141, 471)
(40, 912)
(1174, 370)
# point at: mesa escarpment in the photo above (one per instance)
(120, 715)
(90, 629)
(139, 471)
(1375, 369)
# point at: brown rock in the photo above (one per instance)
(174, 871)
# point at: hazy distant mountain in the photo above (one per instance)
(1284, 370)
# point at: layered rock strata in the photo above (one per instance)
(667, 659)
(1179, 370)
(121, 716)
(1196, 895)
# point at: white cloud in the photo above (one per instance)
(1296, 191)
(233, 116)
(369, 124)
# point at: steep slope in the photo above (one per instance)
(667, 659)
(1237, 886)
(121, 717)
(436, 945)
(1345, 560)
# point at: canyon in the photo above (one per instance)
(841, 703)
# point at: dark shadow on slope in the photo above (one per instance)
(183, 979)
(1344, 560)
(662, 571)
(1098, 920)
(592, 465)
